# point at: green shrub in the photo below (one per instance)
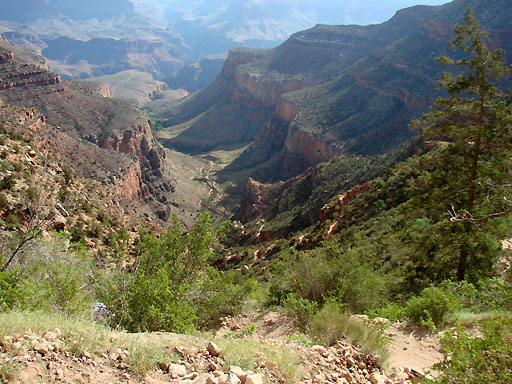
(489, 294)
(432, 307)
(303, 309)
(471, 359)
(10, 290)
(48, 278)
(170, 287)
(4, 203)
(7, 182)
(217, 295)
(392, 312)
(329, 272)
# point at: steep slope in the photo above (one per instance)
(327, 91)
(106, 139)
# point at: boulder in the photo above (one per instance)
(213, 349)
(377, 378)
(254, 379)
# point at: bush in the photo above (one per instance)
(9, 290)
(218, 295)
(326, 273)
(432, 307)
(474, 360)
(7, 182)
(4, 203)
(170, 286)
(48, 278)
(302, 309)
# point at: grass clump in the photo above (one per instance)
(7, 372)
(79, 334)
(144, 357)
(331, 324)
(249, 353)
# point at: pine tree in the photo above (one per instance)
(471, 176)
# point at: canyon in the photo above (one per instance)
(326, 92)
(105, 139)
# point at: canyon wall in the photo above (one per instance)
(105, 139)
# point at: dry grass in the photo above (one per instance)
(250, 353)
(83, 335)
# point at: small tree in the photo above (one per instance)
(470, 173)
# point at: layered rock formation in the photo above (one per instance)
(106, 139)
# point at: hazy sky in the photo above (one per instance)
(327, 11)
(371, 11)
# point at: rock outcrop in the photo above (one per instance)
(335, 210)
(102, 138)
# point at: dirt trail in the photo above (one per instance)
(411, 347)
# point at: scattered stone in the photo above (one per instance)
(377, 378)
(177, 370)
(7, 340)
(239, 372)
(213, 349)
(203, 379)
(122, 355)
(229, 378)
(255, 378)
(42, 349)
(179, 351)
(191, 376)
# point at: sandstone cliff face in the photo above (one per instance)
(130, 184)
(336, 208)
(14, 75)
(133, 142)
(250, 86)
(303, 150)
(105, 139)
(253, 205)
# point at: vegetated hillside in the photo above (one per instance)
(326, 91)
(40, 193)
(106, 139)
(284, 208)
(390, 249)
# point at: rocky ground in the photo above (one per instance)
(48, 357)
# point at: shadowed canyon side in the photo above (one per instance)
(105, 139)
